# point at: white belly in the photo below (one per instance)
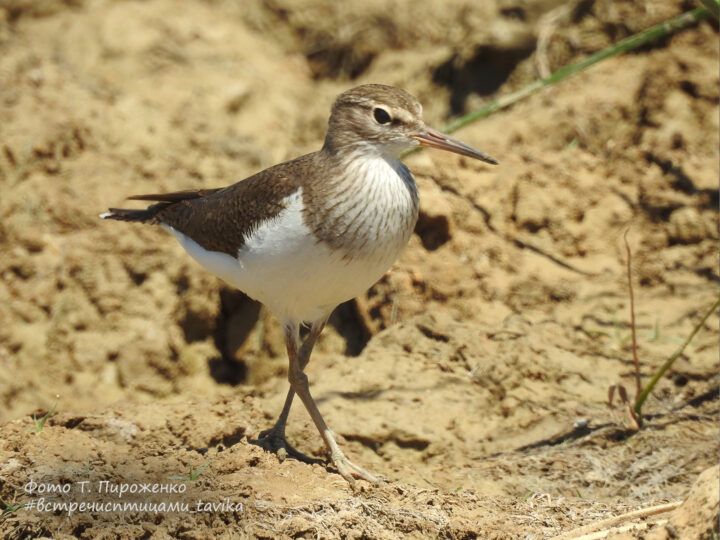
(286, 268)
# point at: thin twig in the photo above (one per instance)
(614, 521)
(546, 26)
(638, 386)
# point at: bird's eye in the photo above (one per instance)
(381, 116)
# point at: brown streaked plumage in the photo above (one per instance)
(308, 234)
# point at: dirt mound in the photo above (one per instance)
(140, 461)
(474, 375)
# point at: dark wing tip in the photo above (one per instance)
(174, 196)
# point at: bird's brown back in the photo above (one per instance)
(223, 219)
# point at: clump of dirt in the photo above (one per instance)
(473, 376)
(698, 517)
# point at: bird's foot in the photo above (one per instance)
(273, 440)
(350, 471)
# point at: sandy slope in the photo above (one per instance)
(473, 376)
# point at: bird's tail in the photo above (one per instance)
(147, 215)
(150, 214)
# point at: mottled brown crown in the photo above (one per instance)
(373, 116)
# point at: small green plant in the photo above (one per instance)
(620, 338)
(656, 331)
(669, 362)
(39, 423)
(86, 469)
(193, 474)
(634, 411)
(9, 509)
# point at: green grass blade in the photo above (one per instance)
(663, 29)
(713, 6)
(669, 362)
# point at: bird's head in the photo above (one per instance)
(386, 119)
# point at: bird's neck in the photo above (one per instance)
(363, 190)
(364, 169)
(361, 154)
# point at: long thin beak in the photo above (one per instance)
(435, 139)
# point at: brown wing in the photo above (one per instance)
(221, 219)
(149, 214)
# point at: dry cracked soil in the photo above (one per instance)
(473, 376)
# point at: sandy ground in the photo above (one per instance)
(474, 376)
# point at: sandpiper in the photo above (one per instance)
(306, 235)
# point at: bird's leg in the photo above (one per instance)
(307, 346)
(299, 383)
(273, 439)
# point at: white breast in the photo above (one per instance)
(377, 210)
(300, 278)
